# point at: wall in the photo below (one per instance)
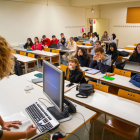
(128, 34)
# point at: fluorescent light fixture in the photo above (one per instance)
(92, 11)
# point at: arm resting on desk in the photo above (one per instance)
(103, 68)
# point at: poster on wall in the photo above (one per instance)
(82, 30)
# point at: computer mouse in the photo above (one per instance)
(58, 135)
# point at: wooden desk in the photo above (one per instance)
(117, 107)
(26, 60)
(14, 99)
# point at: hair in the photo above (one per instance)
(135, 53)
(89, 34)
(6, 59)
(106, 32)
(37, 39)
(72, 38)
(85, 55)
(53, 36)
(84, 34)
(31, 42)
(62, 34)
(114, 36)
(43, 36)
(75, 60)
(100, 49)
(98, 42)
(93, 34)
(114, 46)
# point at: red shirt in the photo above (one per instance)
(56, 41)
(46, 42)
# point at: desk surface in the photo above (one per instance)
(131, 51)
(61, 50)
(14, 99)
(130, 46)
(24, 59)
(113, 105)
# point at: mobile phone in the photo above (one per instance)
(69, 85)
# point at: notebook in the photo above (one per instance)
(92, 71)
(39, 75)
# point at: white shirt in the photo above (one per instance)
(94, 39)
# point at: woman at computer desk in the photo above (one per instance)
(7, 68)
(73, 73)
(36, 45)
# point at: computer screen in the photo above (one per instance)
(53, 84)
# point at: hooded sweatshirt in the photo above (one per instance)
(135, 59)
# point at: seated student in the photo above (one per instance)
(113, 38)
(135, 57)
(45, 41)
(72, 45)
(89, 35)
(63, 44)
(113, 52)
(105, 37)
(29, 44)
(83, 58)
(36, 45)
(54, 40)
(7, 68)
(62, 36)
(97, 45)
(101, 61)
(96, 35)
(83, 37)
(93, 39)
(73, 73)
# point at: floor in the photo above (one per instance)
(98, 126)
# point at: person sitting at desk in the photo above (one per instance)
(93, 39)
(101, 61)
(113, 38)
(97, 45)
(89, 35)
(29, 44)
(105, 36)
(135, 57)
(62, 36)
(45, 41)
(113, 52)
(83, 58)
(83, 37)
(36, 45)
(7, 68)
(73, 73)
(72, 46)
(54, 40)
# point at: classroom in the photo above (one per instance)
(70, 69)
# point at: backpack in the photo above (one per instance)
(135, 80)
(18, 68)
(123, 53)
(76, 39)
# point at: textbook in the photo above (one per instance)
(92, 71)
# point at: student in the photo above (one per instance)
(135, 57)
(96, 35)
(83, 58)
(105, 37)
(93, 39)
(45, 41)
(97, 45)
(36, 45)
(54, 40)
(72, 45)
(62, 36)
(83, 37)
(7, 68)
(113, 38)
(101, 61)
(29, 44)
(73, 73)
(113, 52)
(62, 44)
(89, 35)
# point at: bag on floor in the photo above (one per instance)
(120, 65)
(18, 68)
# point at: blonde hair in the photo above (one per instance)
(6, 59)
(74, 60)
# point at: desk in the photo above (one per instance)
(38, 52)
(26, 60)
(131, 46)
(117, 107)
(85, 47)
(14, 99)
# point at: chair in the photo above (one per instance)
(23, 53)
(122, 72)
(102, 41)
(47, 49)
(63, 67)
(88, 44)
(135, 44)
(55, 59)
(44, 58)
(119, 58)
(121, 128)
(13, 51)
(68, 42)
(31, 65)
(100, 87)
(129, 48)
(78, 43)
(117, 40)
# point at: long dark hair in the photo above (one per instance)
(84, 34)
(85, 55)
(64, 41)
(114, 46)
(135, 53)
(31, 42)
(114, 36)
(37, 39)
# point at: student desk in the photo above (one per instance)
(117, 107)
(129, 51)
(41, 53)
(26, 60)
(131, 46)
(14, 99)
(85, 47)
(133, 69)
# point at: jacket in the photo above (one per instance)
(135, 59)
(135, 80)
(55, 42)
(72, 46)
(34, 47)
(46, 42)
(105, 38)
(114, 55)
(104, 65)
(83, 61)
(28, 46)
(93, 39)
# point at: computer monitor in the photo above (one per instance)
(53, 85)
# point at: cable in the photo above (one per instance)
(74, 134)
(45, 100)
(84, 122)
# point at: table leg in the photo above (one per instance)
(37, 65)
(87, 51)
(26, 67)
(139, 134)
(59, 60)
(50, 59)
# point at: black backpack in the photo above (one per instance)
(18, 68)
(76, 39)
(123, 53)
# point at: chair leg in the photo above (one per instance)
(103, 133)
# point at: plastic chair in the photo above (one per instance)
(55, 59)
(119, 58)
(129, 48)
(13, 51)
(100, 87)
(23, 53)
(121, 128)
(31, 65)
(88, 44)
(63, 67)
(102, 41)
(135, 44)
(117, 40)
(122, 72)
(47, 49)
(78, 43)
(68, 42)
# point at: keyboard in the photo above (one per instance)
(42, 117)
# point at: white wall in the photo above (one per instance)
(116, 14)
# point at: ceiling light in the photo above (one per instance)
(92, 11)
